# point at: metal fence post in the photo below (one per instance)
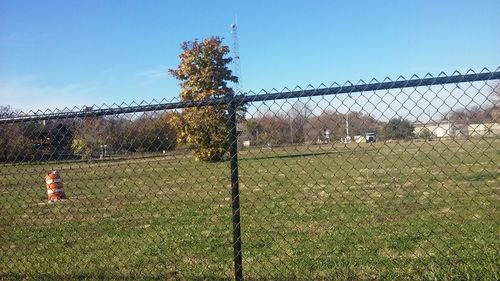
(235, 191)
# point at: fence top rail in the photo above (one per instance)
(245, 98)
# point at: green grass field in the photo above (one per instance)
(386, 211)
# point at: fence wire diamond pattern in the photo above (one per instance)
(379, 180)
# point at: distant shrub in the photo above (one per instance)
(425, 134)
(398, 129)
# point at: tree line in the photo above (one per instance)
(157, 132)
(84, 137)
(203, 73)
(300, 125)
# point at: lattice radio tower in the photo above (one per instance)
(238, 87)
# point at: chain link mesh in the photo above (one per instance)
(379, 180)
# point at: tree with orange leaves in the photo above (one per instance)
(203, 73)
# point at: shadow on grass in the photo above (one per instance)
(110, 276)
(118, 277)
(285, 156)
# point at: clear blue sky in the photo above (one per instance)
(74, 53)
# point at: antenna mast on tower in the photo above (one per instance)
(238, 88)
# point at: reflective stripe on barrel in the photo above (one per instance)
(50, 191)
(55, 190)
(53, 181)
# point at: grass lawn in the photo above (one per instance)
(412, 210)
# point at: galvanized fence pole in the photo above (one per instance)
(235, 191)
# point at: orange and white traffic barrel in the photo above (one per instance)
(55, 190)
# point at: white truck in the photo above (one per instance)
(371, 137)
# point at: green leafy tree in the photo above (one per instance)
(81, 147)
(204, 74)
(398, 128)
(425, 134)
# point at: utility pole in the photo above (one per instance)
(347, 127)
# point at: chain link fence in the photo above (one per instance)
(367, 181)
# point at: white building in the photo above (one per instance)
(441, 129)
(477, 130)
(446, 129)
